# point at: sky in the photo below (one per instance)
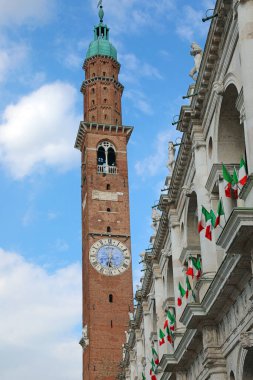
(42, 47)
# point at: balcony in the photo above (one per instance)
(105, 169)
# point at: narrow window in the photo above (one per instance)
(101, 156)
(108, 187)
(116, 121)
(111, 324)
(105, 117)
(93, 102)
(93, 90)
(108, 210)
(110, 298)
(104, 74)
(108, 229)
(93, 118)
(105, 100)
(111, 157)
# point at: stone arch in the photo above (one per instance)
(192, 222)
(230, 136)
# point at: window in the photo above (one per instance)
(93, 75)
(105, 100)
(93, 102)
(108, 187)
(111, 324)
(93, 118)
(108, 209)
(105, 117)
(106, 158)
(110, 298)
(93, 90)
(104, 74)
(108, 229)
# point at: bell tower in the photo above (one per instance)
(106, 247)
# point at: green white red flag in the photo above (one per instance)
(190, 271)
(243, 176)
(152, 370)
(197, 266)
(188, 287)
(182, 293)
(228, 180)
(204, 217)
(143, 376)
(170, 321)
(220, 214)
(155, 356)
(161, 338)
(234, 187)
(169, 335)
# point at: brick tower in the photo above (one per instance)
(107, 273)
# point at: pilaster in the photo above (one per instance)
(245, 26)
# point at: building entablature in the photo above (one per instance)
(211, 56)
(230, 279)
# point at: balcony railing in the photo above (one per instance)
(105, 169)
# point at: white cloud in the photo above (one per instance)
(132, 15)
(190, 26)
(155, 162)
(133, 69)
(38, 319)
(39, 131)
(12, 55)
(139, 101)
(25, 11)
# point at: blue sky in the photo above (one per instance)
(42, 47)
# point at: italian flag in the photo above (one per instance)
(161, 336)
(182, 293)
(190, 271)
(152, 370)
(220, 213)
(197, 266)
(188, 287)
(170, 321)
(235, 184)
(209, 224)
(143, 376)
(203, 219)
(169, 335)
(243, 176)
(228, 180)
(155, 356)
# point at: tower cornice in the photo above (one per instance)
(95, 57)
(103, 80)
(85, 128)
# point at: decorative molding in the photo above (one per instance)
(237, 235)
(216, 174)
(246, 188)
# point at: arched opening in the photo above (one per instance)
(105, 117)
(93, 102)
(248, 366)
(232, 376)
(106, 161)
(93, 91)
(108, 229)
(231, 142)
(108, 187)
(193, 240)
(110, 298)
(111, 157)
(108, 209)
(101, 157)
(105, 101)
(104, 74)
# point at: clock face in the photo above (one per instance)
(110, 257)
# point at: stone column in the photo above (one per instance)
(133, 364)
(147, 331)
(208, 248)
(245, 26)
(178, 275)
(214, 360)
(139, 352)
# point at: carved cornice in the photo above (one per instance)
(237, 235)
(230, 278)
(182, 358)
(85, 128)
(216, 174)
(102, 80)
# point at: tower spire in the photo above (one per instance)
(101, 11)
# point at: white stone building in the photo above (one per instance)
(213, 336)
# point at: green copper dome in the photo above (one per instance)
(101, 44)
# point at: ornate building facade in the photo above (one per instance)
(193, 317)
(107, 274)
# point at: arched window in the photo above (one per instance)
(108, 209)
(111, 157)
(108, 187)
(101, 157)
(108, 229)
(110, 298)
(106, 158)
